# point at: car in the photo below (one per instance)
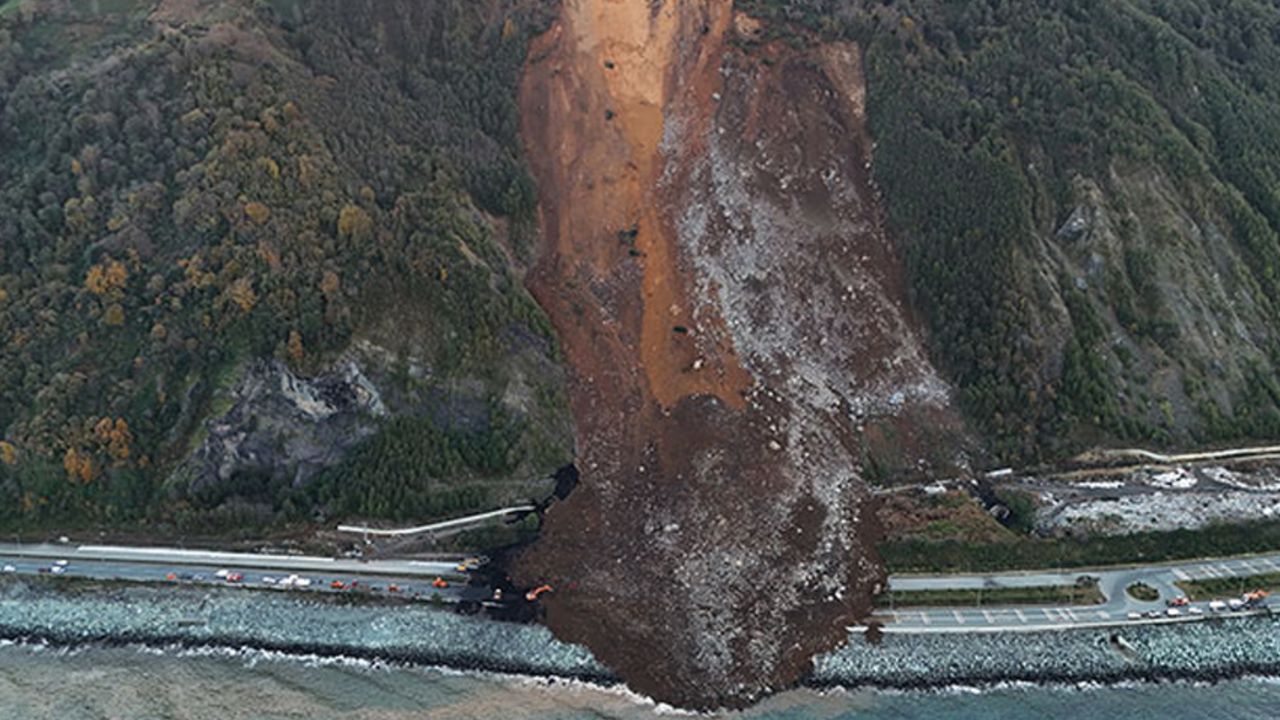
(1235, 604)
(235, 577)
(222, 573)
(1180, 601)
(1217, 606)
(1195, 610)
(1132, 615)
(61, 563)
(1173, 612)
(393, 588)
(1153, 614)
(267, 580)
(10, 569)
(439, 583)
(337, 585)
(171, 577)
(58, 569)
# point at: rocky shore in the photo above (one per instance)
(1208, 651)
(40, 611)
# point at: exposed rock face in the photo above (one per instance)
(734, 321)
(281, 425)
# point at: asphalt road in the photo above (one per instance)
(413, 578)
(455, 524)
(1111, 581)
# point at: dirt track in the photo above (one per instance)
(731, 311)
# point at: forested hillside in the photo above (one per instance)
(235, 236)
(1086, 195)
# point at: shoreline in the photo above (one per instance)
(232, 649)
(428, 638)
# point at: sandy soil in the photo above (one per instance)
(733, 317)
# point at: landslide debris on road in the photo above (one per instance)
(714, 261)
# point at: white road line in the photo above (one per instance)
(1227, 570)
(1021, 618)
(987, 614)
(924, 618)
(1181, 575)
(958, 617)
(1070, 613)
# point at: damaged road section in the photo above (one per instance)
(714, 260)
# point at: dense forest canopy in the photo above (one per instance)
(187, 186)
(1086, 194)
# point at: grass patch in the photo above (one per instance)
(943, 556)
(1083, 593)
(1225, 587)
(1143, 592)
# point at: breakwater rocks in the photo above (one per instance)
(416, 634)
(1213, 649)
(423, 635)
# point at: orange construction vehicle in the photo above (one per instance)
(534, 593)
(1252, 599)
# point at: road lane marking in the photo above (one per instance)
(1180, 574)
(958, 617)
(1021, 618)
(1104, 614)
(1227, 570)
(1070, 614)
(987, 614)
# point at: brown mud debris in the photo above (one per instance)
(733, 316)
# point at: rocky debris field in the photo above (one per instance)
(1155, 499)
(735, 323)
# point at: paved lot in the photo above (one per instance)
(1112, 582)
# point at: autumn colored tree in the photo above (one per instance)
(242, 294)
(354, 223)
(296, 351)
(109, 278)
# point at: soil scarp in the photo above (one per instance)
(733, 317)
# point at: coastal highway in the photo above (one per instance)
(1111, 581)
(413, 578)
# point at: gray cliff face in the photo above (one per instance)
(281, 425)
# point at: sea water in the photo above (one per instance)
(126, 683)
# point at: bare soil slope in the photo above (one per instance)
(734, 321)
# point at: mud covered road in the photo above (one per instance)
(714, 261)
